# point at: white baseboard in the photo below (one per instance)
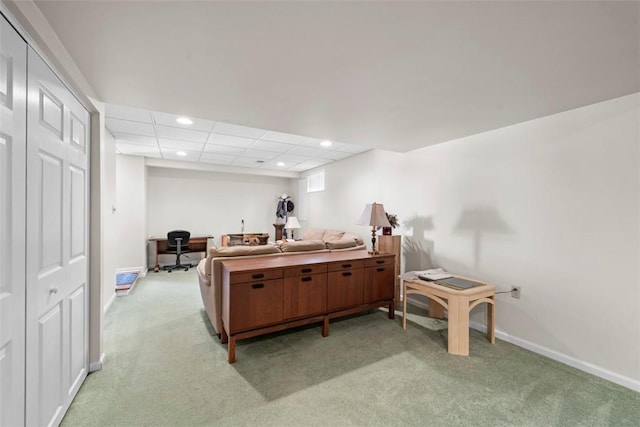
(563, 358)
(108, 304)
(130, 270)
(97, 366)
(551, 354)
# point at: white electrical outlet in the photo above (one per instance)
(515, 292)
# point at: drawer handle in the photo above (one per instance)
(380, 269)
(258, 286)
(307, 279)
(257, 276)
(346, 265)
(380, 261)
(347, 274)
(306, 270)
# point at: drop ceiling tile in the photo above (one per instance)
(136, 139)
(247, 162)
(233, 141)
(259, 154)
(174, 144)
(218, 159)
(237, 130)
(284, 137)
(312, 164)
(191, 156)
(293, 158)
(223, 149)
(181, 134)
(273, 164)
(130, 127)
(300, 167)
(308, 151)
(127, 113)
(166, 119)
(137, 149)
(277, 147)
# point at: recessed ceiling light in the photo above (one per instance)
(181, 153)
(184, 120)
(280, 163)
(326, 143)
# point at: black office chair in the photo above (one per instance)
(178, 243)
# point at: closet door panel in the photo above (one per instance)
(13, 58)
(57, 209)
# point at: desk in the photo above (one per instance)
(459, 303)
(161, 244)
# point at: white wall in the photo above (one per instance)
(109, 225)
(212, 202)
(551, 205)
(130, 237)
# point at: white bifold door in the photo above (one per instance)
(44, 314)
(57, 316)
(13, 130)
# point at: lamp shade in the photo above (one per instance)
(292, 222)
(374, 215)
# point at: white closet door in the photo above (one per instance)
(13, 59)
(57, 243)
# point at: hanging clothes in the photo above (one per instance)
(281, 211)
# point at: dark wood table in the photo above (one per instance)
(196, 244)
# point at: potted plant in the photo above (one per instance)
(393, 220)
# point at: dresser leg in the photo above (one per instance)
(392, 310)
(232, 349)
(223, 336)
(325, 327)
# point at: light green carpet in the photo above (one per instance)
(164, 368)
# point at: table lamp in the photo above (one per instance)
(375, 216)
(292, 223)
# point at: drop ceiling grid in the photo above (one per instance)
(212, 142)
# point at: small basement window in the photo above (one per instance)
(315, 182)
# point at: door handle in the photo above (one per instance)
(53, 290)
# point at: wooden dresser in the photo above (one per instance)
(264, 295)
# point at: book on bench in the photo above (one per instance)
(454, 283)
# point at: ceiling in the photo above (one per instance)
(395, 75)
(159, 135)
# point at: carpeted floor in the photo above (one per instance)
(163, 367)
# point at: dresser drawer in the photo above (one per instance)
(255, 304)
(250, 276)
(305, 270)
(346, 265)
(345, 289)
(380, 261)
(305, 295)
